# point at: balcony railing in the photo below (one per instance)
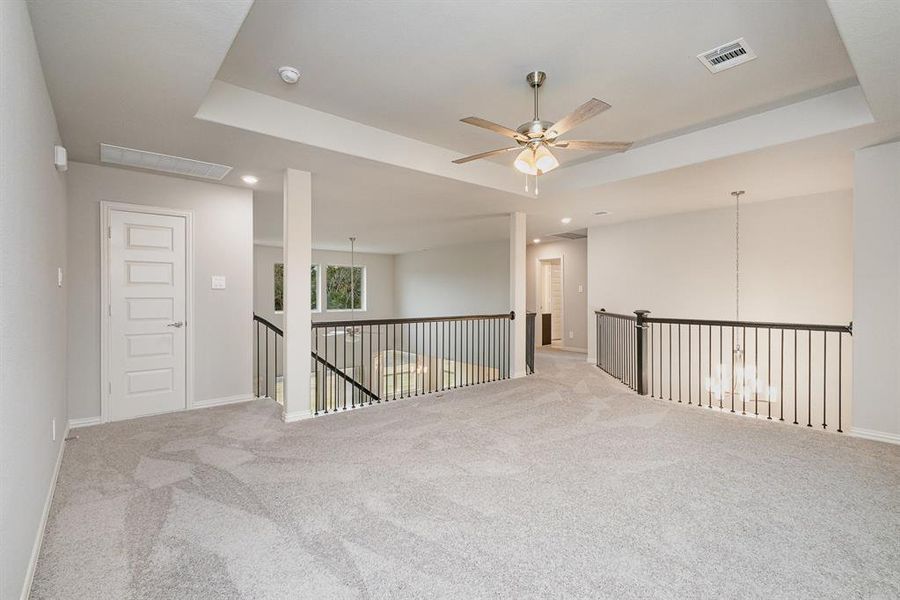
(794, 372)
(363, 362)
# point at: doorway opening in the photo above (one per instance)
(552, 302)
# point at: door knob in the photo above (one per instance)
(176, 324)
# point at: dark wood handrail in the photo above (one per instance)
(617, 315)
(510, 315)
(344, 376)
(754, 324)
(268, 324)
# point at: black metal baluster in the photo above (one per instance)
(809, 379)
(670, 361)
(840, 389)
(709, 364)
(732, 369)
(781, 379)
(769, 373)
(257, 359)
(743, 370)
(680, 384)
(689, 364)
(796, 383)
(824, 379)
(756, 367)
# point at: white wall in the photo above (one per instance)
(379, 283)
(223, 245)
(452, 280)
(796, 263)
(876, 292)
(574, 263)
(32, 307)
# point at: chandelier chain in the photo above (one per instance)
(737, 254)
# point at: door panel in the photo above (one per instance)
(147, 289)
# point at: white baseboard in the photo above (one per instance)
(878, 436)
(85, 422)
(296, 416)
(39, 537)
(209, 402)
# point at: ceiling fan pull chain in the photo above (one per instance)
(526, 183)
(536, 190)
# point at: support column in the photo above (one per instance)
(876, 293)
(297, 315)
(517, 291)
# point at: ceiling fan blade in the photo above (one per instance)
(460, 161)
(595, 146)
(589, 109)
(485, 124)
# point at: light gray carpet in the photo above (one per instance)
(560, 485)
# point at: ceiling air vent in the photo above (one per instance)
(142, 159)
(579, 234)
(727, 55)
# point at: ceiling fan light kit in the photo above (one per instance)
(537, 137)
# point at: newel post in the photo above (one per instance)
(641, 333)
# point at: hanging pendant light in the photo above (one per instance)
(737, 379)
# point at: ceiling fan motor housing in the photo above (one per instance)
(533, 129)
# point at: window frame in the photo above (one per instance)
(363, 296)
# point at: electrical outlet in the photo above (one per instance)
(580, 289)
(52, 430)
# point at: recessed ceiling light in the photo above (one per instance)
(250, 179)
(289, 75)
(566, 220)
(536, 240)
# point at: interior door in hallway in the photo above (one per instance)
(147, 314)
(552, 295)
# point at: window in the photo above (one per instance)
(313, 287)
(279, 287)
(339, 287)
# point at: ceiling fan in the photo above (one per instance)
(535, 138)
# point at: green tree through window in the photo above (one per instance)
(313, 287)
(338, 288)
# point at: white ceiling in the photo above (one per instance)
(134, 74)
(415, 68)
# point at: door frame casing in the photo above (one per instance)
(539, 280)
(106, 207)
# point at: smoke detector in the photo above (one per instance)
(726, 56)
(289, 75)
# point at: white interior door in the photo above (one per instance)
(147, 314)
(556, 303)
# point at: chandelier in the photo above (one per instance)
(737, 379)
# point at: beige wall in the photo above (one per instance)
(223, 245)
(796, 263)
(573, 255)
(466, 279)
(32, 306)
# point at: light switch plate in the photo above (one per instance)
(218, 282)
(59, 277)
(580, 289)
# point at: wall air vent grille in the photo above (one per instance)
(727, 55)
(129, 157)
(580, 234)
